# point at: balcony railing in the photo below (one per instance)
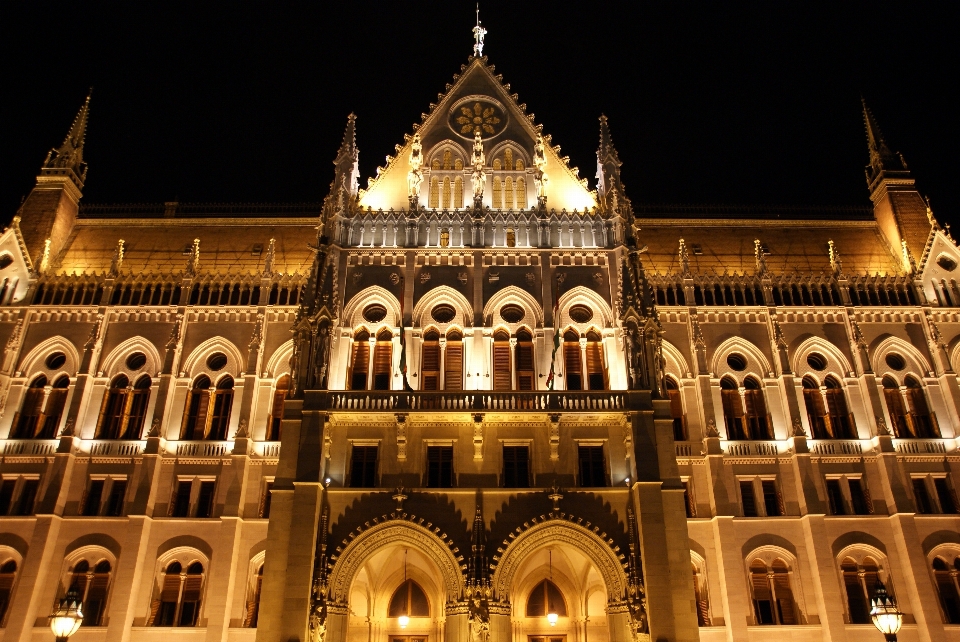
(750, 448)
(30, 447)
(924, 446)
(114, 447)
(478, 401)
(202, 448)
(837, 446)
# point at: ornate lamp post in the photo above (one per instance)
(884, 612)
(67, 618)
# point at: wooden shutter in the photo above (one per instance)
(732, 413)
(138, 412)
(572, 365)
(453, 366)
(29, 415)
(756, 412)
(525, 370)
(253, 605)
(502, 377)
(223, 401)
(430, 366)
(595, 370)
(51, 414)
(170, 591)
(359, 365)
(96, 599)
(897, 414)
(785, 606)
(761, 587)
(382, 365)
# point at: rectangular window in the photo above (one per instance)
(859, 497)
(91, 503)
(593, 469)
(747, 498)
(772, 500)
(382, 364)
(6, 495)
(205, 498)
(440, 466)
(688, 500)
(180, 505)
(921, 496)
(265, 500)
(947, 503)
(835, 497)
(118, 490)
(28, 496)
(516, 467)
(363, 467)
(453, 365)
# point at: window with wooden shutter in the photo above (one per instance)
(96, 595)
(502, 376)
(732, 409)
(898, 418)
(762, 595)
(8, 574)
(430, 362)
(453, 363)
(93, 498)
(382, 361)
(748, 499)
(755, 415)
(786, 609)
(118, 491)
(164, 609)
(53, 409)
(772, 499)
(439, 466)
(526, 374)
(676, 411)
(700, 595)
(115, 403)
(205, 498)
(840, 421)
(921, 496)
(572, 365)
(195, 415)
(28, 419)
(359, 362)
(835, 497)
(860, 497)
(363, 467)
(516, 467)
(813, 401)
(857, 608)
(596, 372)
(222, 405)
(190, 602)
(947, 590)
(593, 468)
(924, 423)
(137, 414)
(253, 602)
(276, 410)
(180, 502)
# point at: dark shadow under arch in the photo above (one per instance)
(937, 538)
(768, 539)
(857, 537)
(186, 541)
(94, 539)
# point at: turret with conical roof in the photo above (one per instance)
(50, 210)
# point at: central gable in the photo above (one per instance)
(477, 101)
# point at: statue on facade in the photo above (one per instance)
(540, 178)
(415, 175)
(479, 175)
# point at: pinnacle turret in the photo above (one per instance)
(347, 161)
(881, 158)
(608, 166)
(69, 156)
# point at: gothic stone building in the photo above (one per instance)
(477, 400)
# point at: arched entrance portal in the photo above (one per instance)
(585, 585)
(393, 581)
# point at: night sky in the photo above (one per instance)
(709, 103)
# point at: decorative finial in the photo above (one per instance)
(758, 255)
(478, 33)
(684, 259)
(45, 258)
(555, 496)
(399, 497)
(835, 261)
(908, 261)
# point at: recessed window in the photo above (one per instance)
(257, 249)
(443, 313)
(895, 361)
(817, 361)
(136, 360)
(737, 361)
(374, 313)
(944, 261)
(581, 313)
(217, 361)
(512, 313)
(6, 260)
(56, 360)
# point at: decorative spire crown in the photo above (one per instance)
(881, 158)
(478, 33)
(70, 154)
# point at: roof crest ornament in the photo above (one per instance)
(478, 33)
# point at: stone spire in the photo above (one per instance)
(69, 156)
(881, 158)
(478, 559)
(348, 157)
(608, 168)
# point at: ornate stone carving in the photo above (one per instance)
(882, 427)
(415, 175)
(479, 175)
(712, 428)
(798, 430)
(193, 263)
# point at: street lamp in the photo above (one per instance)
(884, 612)
(67, 618)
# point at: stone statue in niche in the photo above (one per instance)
(540, 178)
(479, 175)
(415, 175)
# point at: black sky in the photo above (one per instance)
(730, 103)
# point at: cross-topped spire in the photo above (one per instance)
(478, 33)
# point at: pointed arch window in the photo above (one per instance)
(447, 159)
(895, 407)
(222, 405)
(180, 592)
(446, 193)
(519, 165)
(573, 368)
(526, 374)
(732, 408)
(755, 415)
(195, 410)
(458, 192)
(434, 200)
(497, 202)
(859, 581)
(945, 576)
(508, 194)
(410, 600)
(28, 420)
(8, 576)
(676, 410)
(453, 362)
(496, 165)
(253, 602)
(521, 189)
(546, 598)
(435, 164)
(596, 370)
(275, 420)
(114, 406)
(923, 423)
(840, 424)
(359, 361)
(772, 594)
(502, 371)
(430, 361)
(813, 402)
(508, 158)
(458, 164)
(383, 360)
(92, 585)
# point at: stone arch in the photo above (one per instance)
(518, 296)
(392, 530)
(94, 540)
(353, 310)
(588, 297)
(519, 151)
(444, 294)
(279, 362)
(115, 363)
(456, 151)
(757, 363)
(917, 364)
(554, 530)
(675, 363)
(837, 362)
(33, 363)
(196, 363)
(768, 553)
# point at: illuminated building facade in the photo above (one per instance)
(478, 400)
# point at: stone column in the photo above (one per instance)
(730, 568)
(133, 562)
(915, 593)
(29, 602)
(823, 573)
(222, 579)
